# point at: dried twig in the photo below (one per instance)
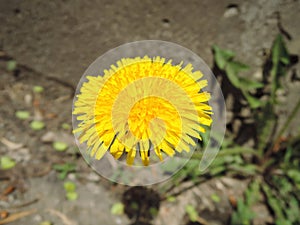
(11, 145)
(16, 216)
(24, 204)
(63, 217)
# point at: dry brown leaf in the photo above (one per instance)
(51, 116)
(233, 201)
(3, 214)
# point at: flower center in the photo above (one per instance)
(151, 116)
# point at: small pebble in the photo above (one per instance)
(245, 112)
(93, 177)
(72, 176)
(37, 218)
(229, 117)
(236, 126)
(232, 10)
(48, 137)
(28, 99)
(258, 75)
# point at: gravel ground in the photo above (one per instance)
(53, 43)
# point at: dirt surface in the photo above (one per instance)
(53, 43)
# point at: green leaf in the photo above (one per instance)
(7, 163)
(293, 210)
(248, 169)
(284, 185)
(247, 84)
(11, 65)
(282, 222)
(288, 155)
(294, 174)
(58, 167)
(253, 102)
(273, 202)
(171, 165)
(280, 60)
(62, 175)
(72, 196)
(171, 199)
(65, 126)
(279, 51)
(66, 166)
(219, 161)
(233, 159)
(232, 69)
(222, 56)
(69, 186)
(46, 223)
(153, 211)
(214, 171)
(243, 215)
(64, 169)
(265, 123)
(134, 206)
(252, 193)
(60, 146)
(117, 209)
(227, 142)
(192, 213)
(22, 115)
(38, 89)
(215, 198)
(37, 125)
(205, 137)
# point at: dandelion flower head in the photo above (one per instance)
(142, 106)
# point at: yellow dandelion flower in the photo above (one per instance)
(140, 105)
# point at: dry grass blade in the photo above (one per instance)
(17, 216)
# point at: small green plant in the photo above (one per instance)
(225, 61)
(38, 89)
(278, 164)
(273, 165)
(46, 223)
(60, 146)
(65, 126)
(64, 169)
(215, 198)
(22, 114)
(192, 213)
(117, 209)
(11, 65)
(171, 199)
(70, 188)
(280, 61)
(37, 125)
(7, 163)
(244, 214)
